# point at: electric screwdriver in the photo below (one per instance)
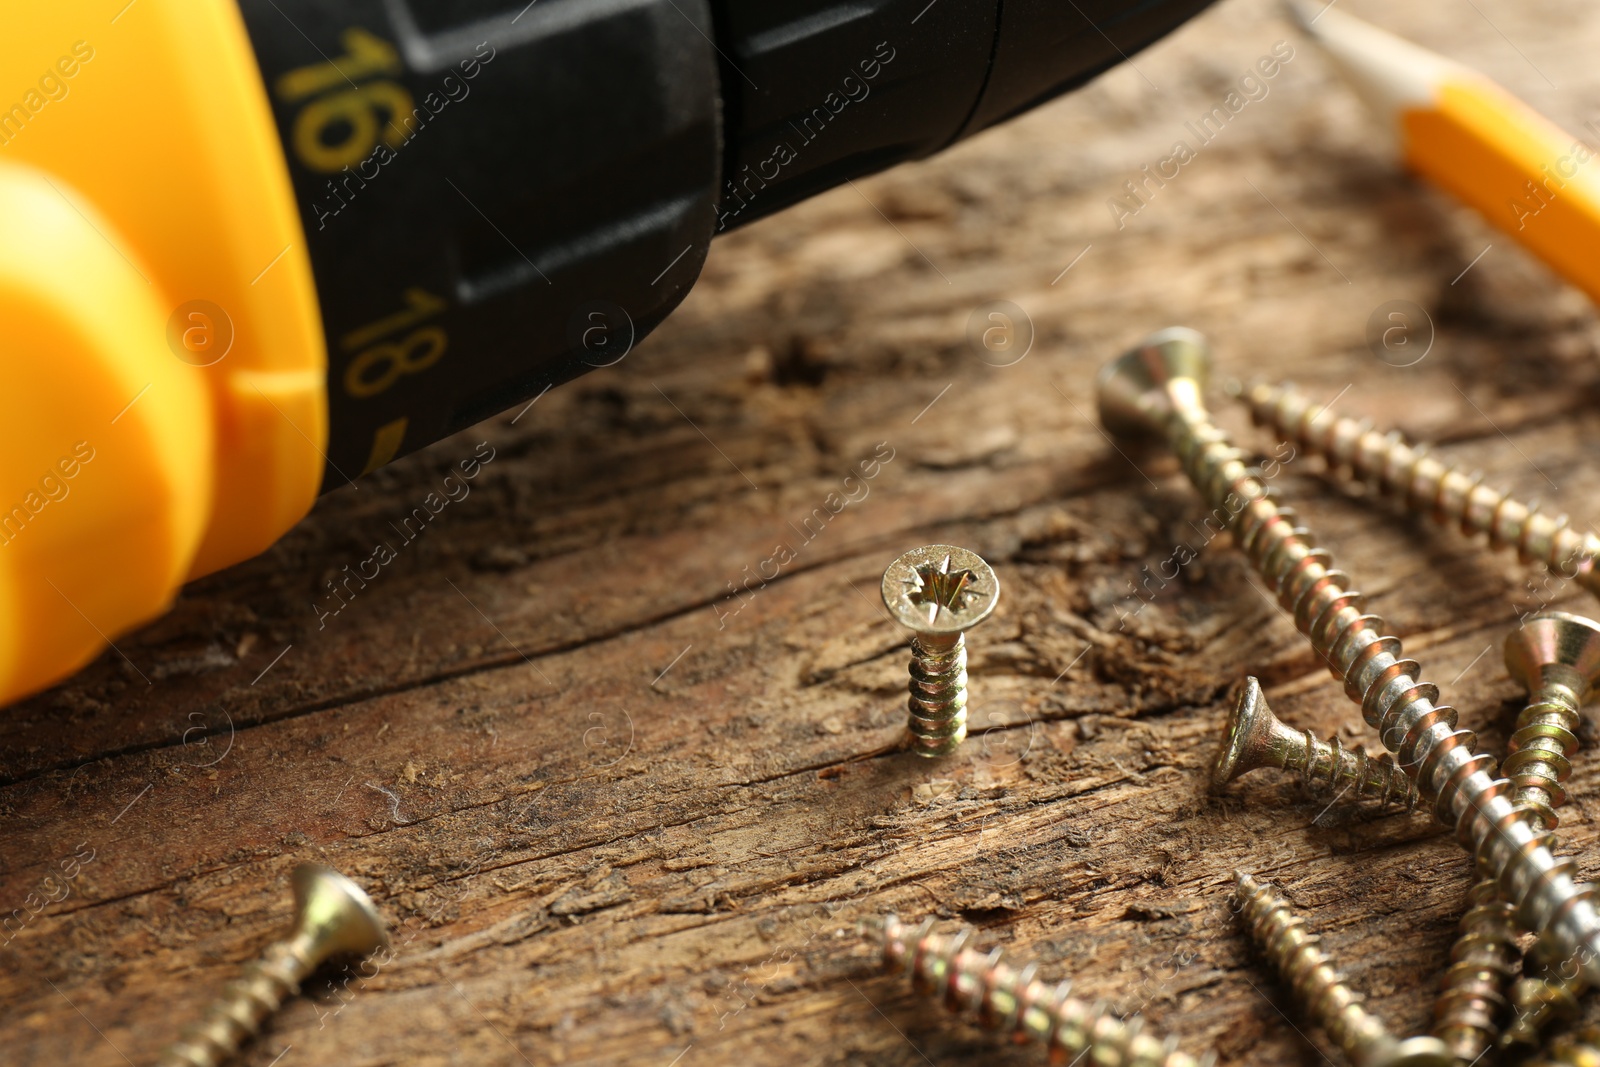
(253, 249)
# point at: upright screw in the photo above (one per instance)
(332, 918)
(1297, 955)
(1556, 658)
(1014, 1002)
(1156, 389)
(1257, 738)
(938, 592)
(1451, 495)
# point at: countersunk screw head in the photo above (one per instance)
(1255, 739)
(940, 590)
(1550, 638)
(334, 916)
(1135, 390)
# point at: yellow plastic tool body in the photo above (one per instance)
(161, 355)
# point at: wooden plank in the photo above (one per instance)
(625, 797)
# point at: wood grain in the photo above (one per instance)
(624, 793)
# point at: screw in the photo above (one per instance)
(1472, 1005)
(1449, 494)
(1156, 390)
(1556, 658)
(1581, 1049)
(938, 592)
(332, 917)
(1472, 1001)
(1544, 997)
(1015, 1002)
(1296, 952)
(1257, 738)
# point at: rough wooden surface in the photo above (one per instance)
(605, 804)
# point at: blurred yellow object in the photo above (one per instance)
(1466, 134)
(162, 377)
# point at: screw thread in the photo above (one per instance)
(1459, 782)
(1537, 760)
(1296, 953)
(1537, 754)
(1014, 1002)
(1424, 484)
(938, 703)
(244, 1005)
(1472, 1005)
(1538, 763)
(1329, 767)
(1581, 1049)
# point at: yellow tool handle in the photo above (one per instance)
(162, 403)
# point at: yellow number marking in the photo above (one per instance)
(365, 55)
(360, 110)
(391, 360)
(419, 305)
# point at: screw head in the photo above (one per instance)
(1552, 637)
(334, 914)
(1250, 734)
(940, 589)
(1134, 390)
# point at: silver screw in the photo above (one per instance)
(332, 918)
(1296, 953)
(1013, 1001)
(1426, 485)
(1156, 390)
(1472, 1002)
(1257, 738)
(938, 592)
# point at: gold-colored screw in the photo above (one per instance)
(1014, 1002)
(1547, 994)
(1156, 389)
(1556, 658)
(1322, 991)
(1257, 738)
(1472, 1003)
(1426, 485)
(1472, 1007)
(1581, 1049)
(938, 592)
(332, 918)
